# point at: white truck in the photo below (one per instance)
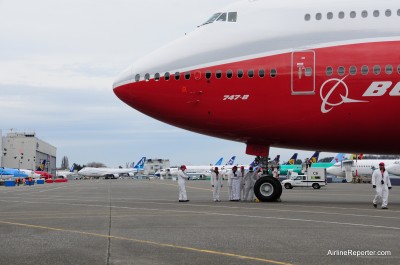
(314, 177)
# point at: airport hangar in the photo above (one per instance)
(23, 150)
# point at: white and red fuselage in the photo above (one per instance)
(327, 72)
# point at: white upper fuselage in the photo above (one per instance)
(254, 35)
(100, 172)
(394, 168)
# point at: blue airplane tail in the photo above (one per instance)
(140, 164)
(338, 158)
(314, 157)
(277, 158)
(219, 162)
(292, 160)
(231, 161)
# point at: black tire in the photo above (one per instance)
(288, 186)
(267, 189)
(316, 186)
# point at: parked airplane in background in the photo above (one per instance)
(107, 172)
(338, 158)
(298, 168)
(394, 168)
(65, 173)
(331, 64)
(360, 168)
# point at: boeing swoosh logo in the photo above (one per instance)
(327, 105)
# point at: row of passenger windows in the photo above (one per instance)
(341, 70)
(261, 73)
(208, 74)
(352, 14)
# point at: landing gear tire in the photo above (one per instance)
(267, 189)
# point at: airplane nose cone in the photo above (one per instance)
(119, 85)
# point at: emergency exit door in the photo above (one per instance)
(303, 72)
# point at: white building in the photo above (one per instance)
(154, 164)
(26, 151)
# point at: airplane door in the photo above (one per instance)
(303, 72)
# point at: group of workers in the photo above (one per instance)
(23, 181)
(240, 183)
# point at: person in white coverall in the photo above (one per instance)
(236, 180)
(242, 183)
(248, 185)
(381, 183)
(216, 183)
(182, 177)
(229, 186)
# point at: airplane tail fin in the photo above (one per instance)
(72, 168)
(314, 157)
(42, 165)
(219, 162)
(292, 160)
(339, 158)
(231, 161)
(277, 158)
(140, 164)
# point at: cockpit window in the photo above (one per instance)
(222, 17)
(232, 16)
(212, 18)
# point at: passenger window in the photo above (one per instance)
(376, 13)
(222, 17)
(329, 15)
(177, 76)
(218, 74)
(389, 69)
(341, 14)
(250, 73)
(377, 69)
(318, 16)
(208, 74)
(329, 71)
(232, 16)
(273, 72)
(261, 73)
(364, 70)
(240, 73)
(398, 69)
(157, 77)
(187, 75)
(388, 12)
(166, 76)
(147, 77)
(308, 71)
(307, 17)
(353, 70)
(398, 12)
(137, 77)
(353, 14)
(229, 74)
(364, 14)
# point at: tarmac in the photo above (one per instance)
(141, 222)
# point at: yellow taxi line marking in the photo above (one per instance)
(150, 243)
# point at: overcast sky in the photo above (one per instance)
(58, 60)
